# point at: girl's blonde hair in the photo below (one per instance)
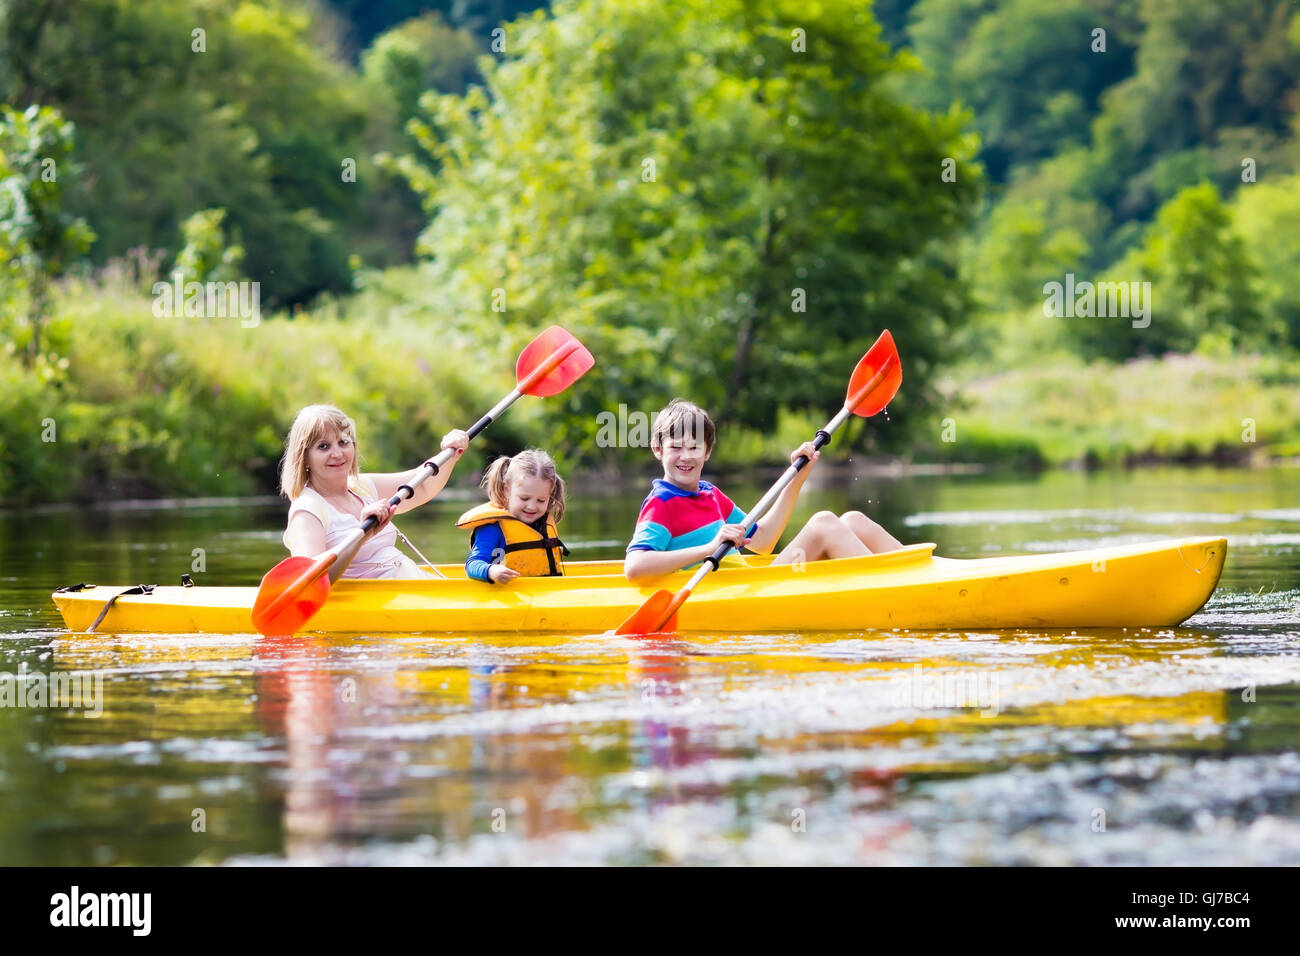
(311, 425)
(532, 463)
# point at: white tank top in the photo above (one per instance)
(378, 557)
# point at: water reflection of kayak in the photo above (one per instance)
(1153, 584)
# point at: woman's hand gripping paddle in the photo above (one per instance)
(295, 589)
(874, 383)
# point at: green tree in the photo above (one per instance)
(421, 54)
(1202, 284)
(369, 18)
(250, 115)
(402, 64)
(725, 197)
(938, 31)
(207, 254)
(1031, 72)
(892, 15)
(1266, 215)
(39, 239)
(1207, 71)
(1021, 251)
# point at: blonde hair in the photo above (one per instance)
(682, 419)
(531, 463)
(311, 425)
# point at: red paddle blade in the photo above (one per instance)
(649, 617)
(277, 609)
(876, 379)
(551, 363)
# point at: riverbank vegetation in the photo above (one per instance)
(721, 204)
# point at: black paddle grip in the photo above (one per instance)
(721, 550)
(718, 554)
(393, 502)
(479, 425)
(822, 438)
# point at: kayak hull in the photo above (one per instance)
(1154, 584)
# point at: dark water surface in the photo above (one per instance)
(1144, 746)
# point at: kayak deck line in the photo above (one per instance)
(1159, 583)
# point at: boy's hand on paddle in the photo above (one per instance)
(809, 449)
(456, 439)
(735, 533)
(501, 574)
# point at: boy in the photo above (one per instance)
(685, 518)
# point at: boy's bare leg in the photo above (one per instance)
(876, 538)
(824, 536)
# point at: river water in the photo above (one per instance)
(1172, 746)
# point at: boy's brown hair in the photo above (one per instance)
(682, 419)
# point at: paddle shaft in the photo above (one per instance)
(347, 549)
(765, 503)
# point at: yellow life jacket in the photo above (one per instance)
(528, 550)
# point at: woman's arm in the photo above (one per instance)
(305, 535)
(386, 485)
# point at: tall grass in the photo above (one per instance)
(139, 405)
(1179, 407)
(143, 405)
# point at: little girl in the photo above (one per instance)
(514, 532)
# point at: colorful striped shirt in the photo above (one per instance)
(673, 518)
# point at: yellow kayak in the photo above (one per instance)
(1153, 584)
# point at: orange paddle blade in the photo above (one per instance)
(876, 379)
(289, 595)
(551, 363)
(649, 617)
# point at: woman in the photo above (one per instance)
(330, 497)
